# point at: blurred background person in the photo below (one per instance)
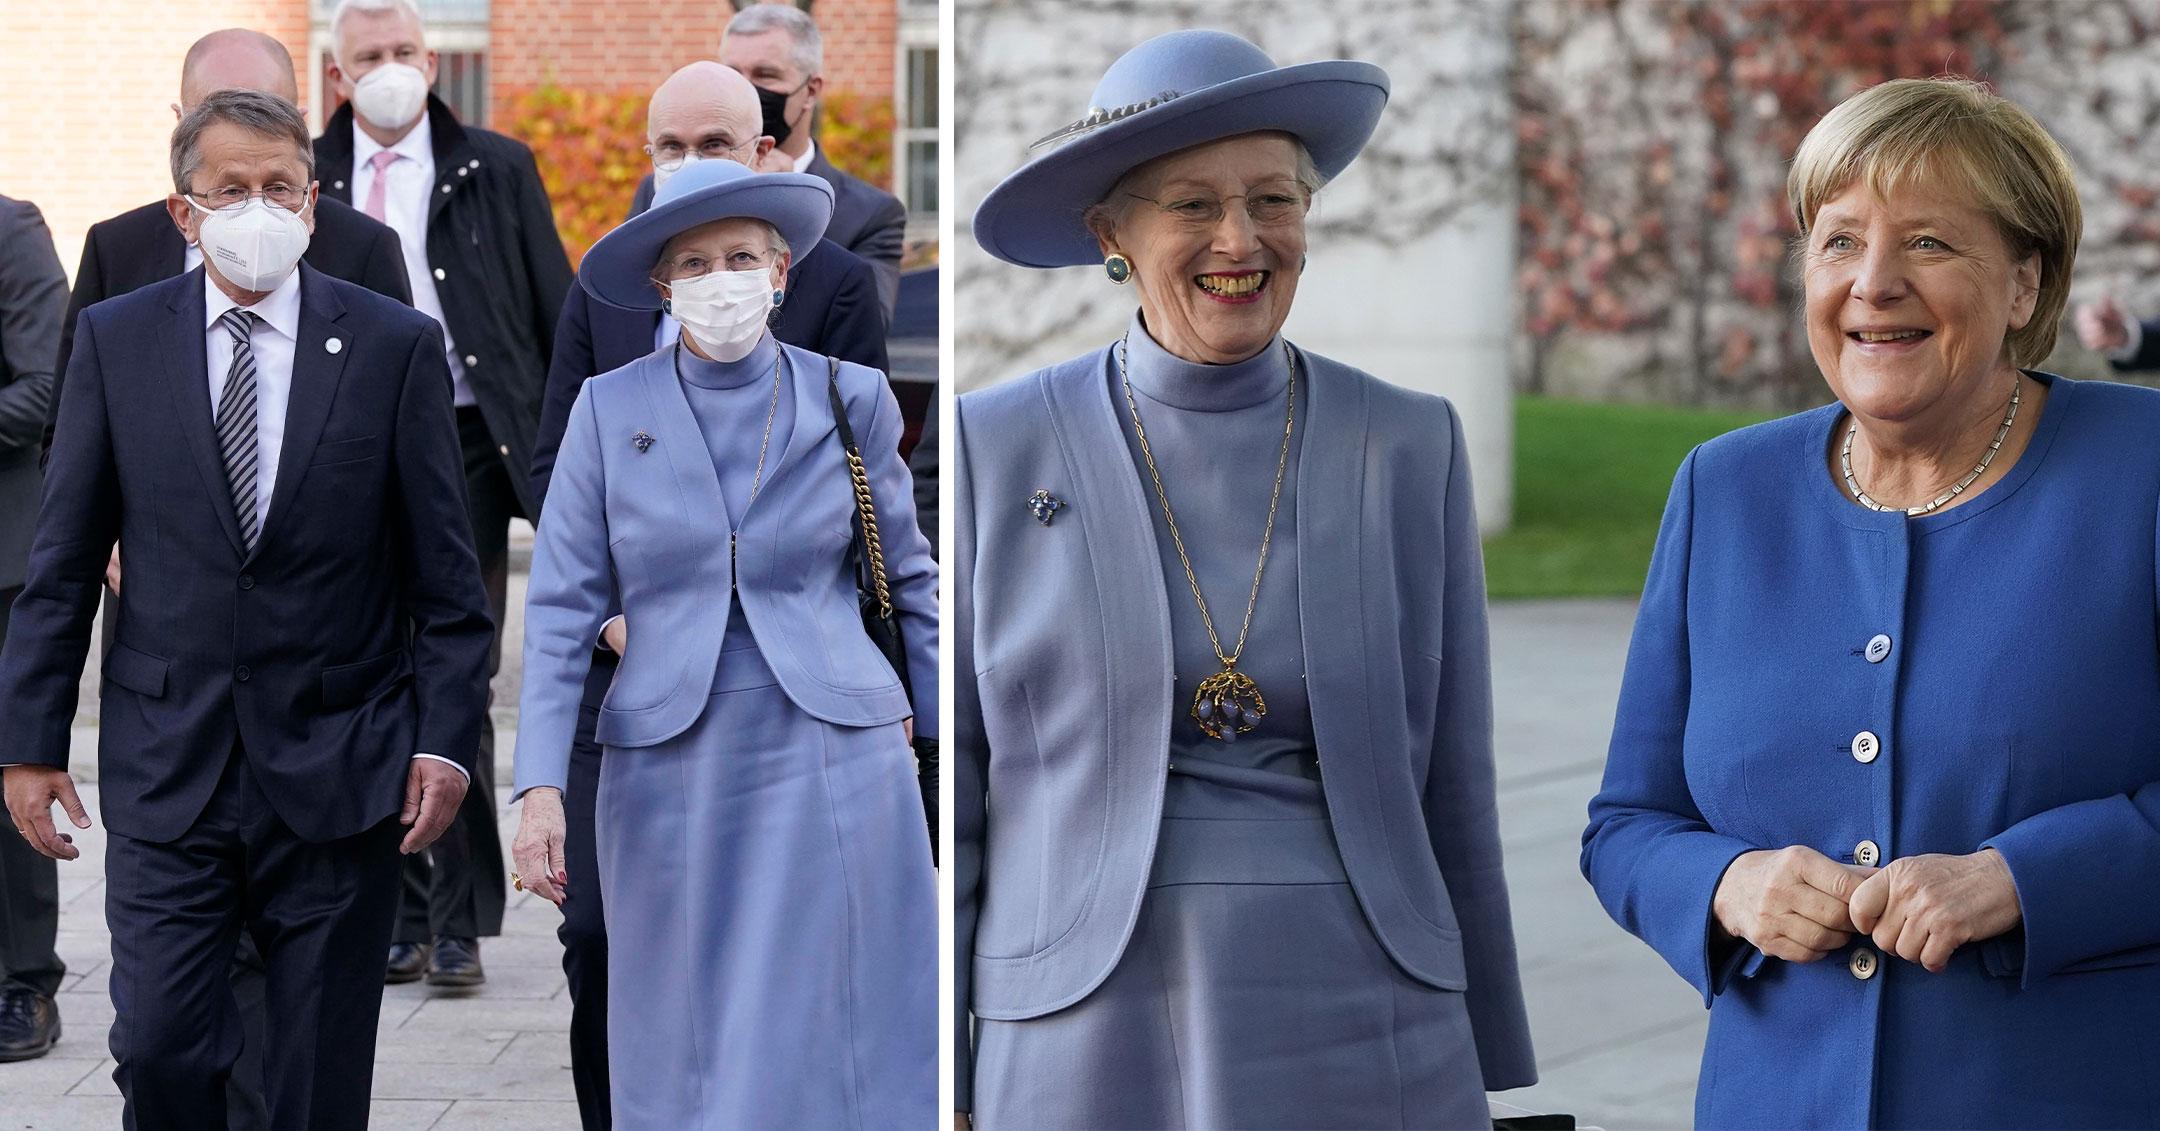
(33, 295)
(483, 259)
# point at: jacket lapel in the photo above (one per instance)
(187, 380)
(315, 377)
(1330, 528)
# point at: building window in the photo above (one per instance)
(915, 142)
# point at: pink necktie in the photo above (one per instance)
(381, 163)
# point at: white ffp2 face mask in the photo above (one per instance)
(724, 311)
(254, 246)
(391, 96)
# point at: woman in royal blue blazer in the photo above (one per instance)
(771, 916)
(1883, 782)
(1226, 853)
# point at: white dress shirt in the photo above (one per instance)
(274, 340)
(809, 154)
(405, 208)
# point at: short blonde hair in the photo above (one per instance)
(1955, 132)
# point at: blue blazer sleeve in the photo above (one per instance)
(1653, 858)
(2084, 871)
(1460, 813)
(566, 601)
(970, 767)
(78, 519)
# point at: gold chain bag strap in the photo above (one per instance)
(875, 597)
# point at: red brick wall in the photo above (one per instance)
(86, 88)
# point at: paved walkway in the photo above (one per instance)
(1618, 1034)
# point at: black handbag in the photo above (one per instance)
(867, 555)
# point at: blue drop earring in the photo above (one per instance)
(1118, 268)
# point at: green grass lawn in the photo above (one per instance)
(1590, 485)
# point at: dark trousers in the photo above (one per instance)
(584, 929)
(29, 896)
(457, 888)
(320, 914)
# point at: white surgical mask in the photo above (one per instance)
(391, 96)
(724, 311)
(660, 176)
(254, 246)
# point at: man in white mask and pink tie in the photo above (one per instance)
(298, 682)
(484, 261)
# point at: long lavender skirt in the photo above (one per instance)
(1252, 995)
(771, 919)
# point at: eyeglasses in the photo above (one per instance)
(691, 264)
(668, 156)
(1269, 207)
(288, 197)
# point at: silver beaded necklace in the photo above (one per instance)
(1956, 489)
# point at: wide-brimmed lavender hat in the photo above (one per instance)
(619, 268)
(1170, 93)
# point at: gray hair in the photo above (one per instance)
(345, 8)
(251, 110)
(1103, 217)
(758, 19)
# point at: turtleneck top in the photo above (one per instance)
(1217, 432)
(730, 400)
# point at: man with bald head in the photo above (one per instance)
(703, 112)
(141, 246)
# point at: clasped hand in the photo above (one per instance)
(1797, 904)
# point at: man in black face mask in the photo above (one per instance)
(778, 49)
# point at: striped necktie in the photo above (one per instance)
(236, 423)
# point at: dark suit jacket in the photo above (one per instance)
(354, 636)
(831, 309)
(866, 220)
(33, 293)
(498, 262)
(140, 247)
(2148, 351)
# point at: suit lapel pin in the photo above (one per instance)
(642, 442)
(333, 345)
(1045, 506)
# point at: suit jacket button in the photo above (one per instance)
(471, 361)
(440, 274)
(1863, 964)
(242, 674)
(1867, 854)
(1878, 648)
(505, 449)
(247, 581)
(1865, 747)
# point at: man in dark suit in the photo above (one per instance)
(702, 112)
(777, 47)
(483, 258)
(301, 668)
(33, 292)
(141, 246)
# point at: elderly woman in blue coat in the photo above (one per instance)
(1226, 853)
(1885, 781)
(771, 912)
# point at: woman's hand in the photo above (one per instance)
(538, 850)
(1922, 908)
(1791, 903)
(616, 634)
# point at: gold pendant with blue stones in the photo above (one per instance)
(1228, 704)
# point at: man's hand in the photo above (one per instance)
(616, 634)
(31, 791)
(1922, 908)
(2101, 326)
(433, 791)
(112, 571)
(538, 850)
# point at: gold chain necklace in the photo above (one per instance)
(757, 479)
(1227, 703)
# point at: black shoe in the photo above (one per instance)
(456, 963)
(29, 1023)
(408, 960)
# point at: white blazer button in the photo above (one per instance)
(471, 361)
(1865, 747)
(1863, 964)
(446, 188)
(333, 345)
(441, 274)
(1878, 649)
(1867, 854)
